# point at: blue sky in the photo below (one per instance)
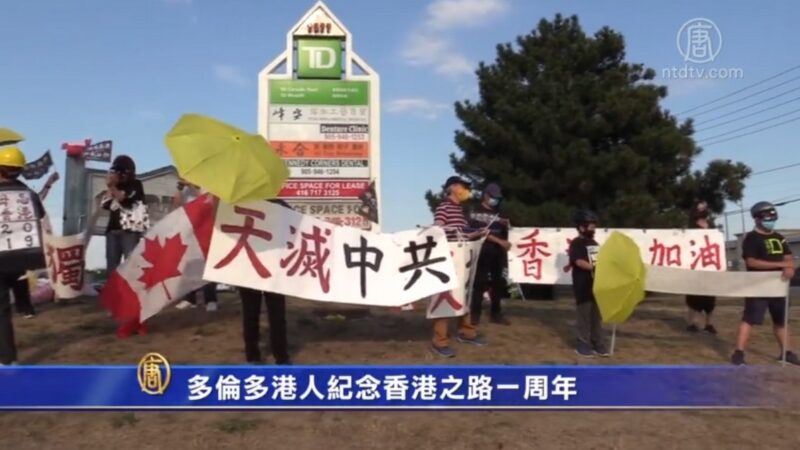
(126, 70)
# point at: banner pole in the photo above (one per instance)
(613, 338)
(786, 325)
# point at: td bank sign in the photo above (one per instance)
(319, 58)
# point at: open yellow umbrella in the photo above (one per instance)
(619, 280)
(8, 137)
(232, 164)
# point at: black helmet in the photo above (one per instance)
(584, 216)
(762, 209)
(123, 163)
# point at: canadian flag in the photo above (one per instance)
(166, 265)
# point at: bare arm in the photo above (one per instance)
(583, 264)
(759, 264)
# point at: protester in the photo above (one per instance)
(764, 249)
(127, 220)
(450, 216)
(22, 289)
(582, 257)
(12, 162)
(700, 305)
(493, 258)
(185, 193)
(276, 312)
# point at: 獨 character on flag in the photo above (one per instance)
(166, 265)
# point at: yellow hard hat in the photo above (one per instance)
(11, 157)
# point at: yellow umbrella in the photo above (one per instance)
(8, 137)
(232, 164)
(619, 278)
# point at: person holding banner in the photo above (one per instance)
(700, 304)
(127, 220)
(276, 312)
(450, 216)
(582, 257)
(493, 258)
(185, 193)
(21, 209)
(764, 249)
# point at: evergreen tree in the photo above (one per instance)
(564, 122)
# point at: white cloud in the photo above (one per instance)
(230, 74)
(428, 45)
(464, 13)
(429, 50)
(416, 106)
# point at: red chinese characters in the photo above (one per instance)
(568, 268)
(707, 256)
(662, 255)
(532, 252)
(311, 257)
(244, 232)
(449, 299)
(70, 266)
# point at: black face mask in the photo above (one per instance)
(10, 174)
(702, 214)
(588, 234)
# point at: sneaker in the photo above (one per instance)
(791, 358)
(212, 307)
(184, 305)
(692, 328)
(29, 315)
(477, 340)
(444, 352)
(601, 352)
(737, 358)
(710, 329)
(584, 350)
(500, 320)
(12, 363)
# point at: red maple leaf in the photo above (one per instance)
(164, 261)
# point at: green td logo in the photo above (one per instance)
(319, 58)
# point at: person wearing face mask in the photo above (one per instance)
(583, 258)
(14, 263)
(764, 249)
(450, 216)
(493, 258)
(700, 304)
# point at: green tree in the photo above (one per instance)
(564, 122)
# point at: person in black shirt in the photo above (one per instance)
(276, 310)
(763, 249)
(493, 259)
(13, 266)
(582, 257)
(124, 192)
(700, 304)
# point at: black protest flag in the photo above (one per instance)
(100, 151)
(37, 169)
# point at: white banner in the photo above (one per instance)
(539, 255)
(262, 245)
(668, 280)
(455, 302)
(65, 257)
(18, 224)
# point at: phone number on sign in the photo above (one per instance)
(345, 136)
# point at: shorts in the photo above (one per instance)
(701, 303)
(756, 308)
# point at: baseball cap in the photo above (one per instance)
(456, 180)
(493, 190)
